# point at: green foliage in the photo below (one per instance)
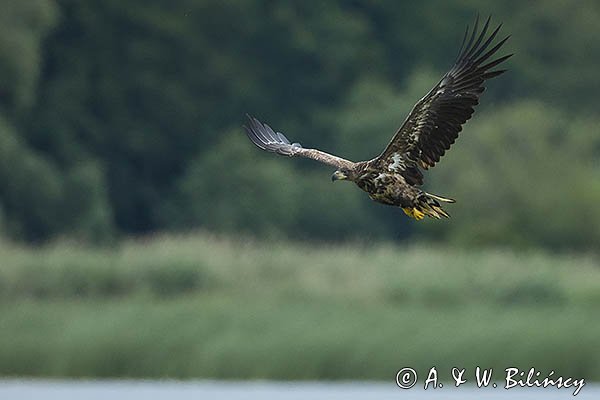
(30, 188)
(23, 26)
(221, 195)
(39, 200)
(124, 118)
(525, 176)
(86, 211)
(206, 307)
(276, 199)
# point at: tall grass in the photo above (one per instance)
(201, 306)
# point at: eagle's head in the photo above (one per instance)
(341, 174)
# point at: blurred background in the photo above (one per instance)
(142, 234)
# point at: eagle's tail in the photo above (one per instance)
(428, 204)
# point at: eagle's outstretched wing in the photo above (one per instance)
(435, 121)
(267, 139)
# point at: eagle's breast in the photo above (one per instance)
(383, 187)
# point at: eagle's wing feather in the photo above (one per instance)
(265, 138)
(435, 121)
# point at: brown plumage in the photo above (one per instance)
(430, 129)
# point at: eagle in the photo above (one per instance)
(395, 176)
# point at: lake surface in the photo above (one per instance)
(201, 390)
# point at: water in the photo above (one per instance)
(205, 390)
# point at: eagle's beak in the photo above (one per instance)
(338, 176)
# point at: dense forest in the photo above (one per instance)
(124, 118)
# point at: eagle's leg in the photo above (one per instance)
(427, 204)
(413, 212)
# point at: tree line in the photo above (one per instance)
(120, 118)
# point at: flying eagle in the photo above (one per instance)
(394, 177)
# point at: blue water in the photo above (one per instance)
(200, 390)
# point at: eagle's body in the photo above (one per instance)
(394, 177)
(385, 186)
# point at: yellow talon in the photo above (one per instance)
(413, 213)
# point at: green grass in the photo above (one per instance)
(200, 306)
